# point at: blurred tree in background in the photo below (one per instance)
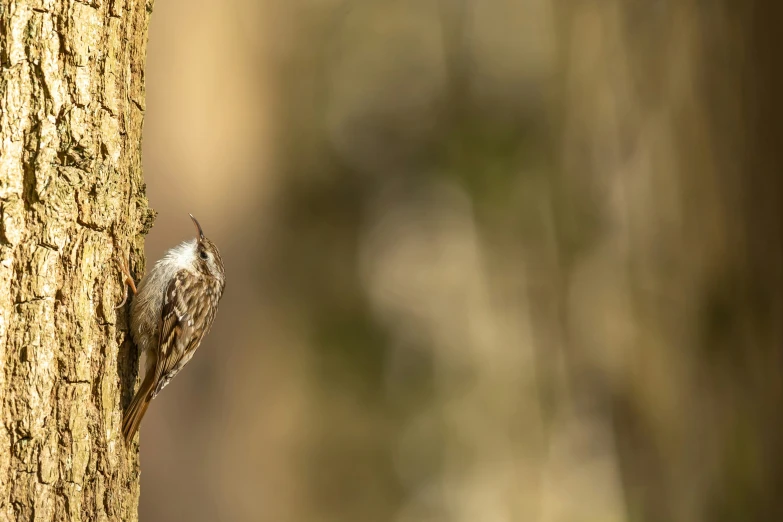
(513, 261)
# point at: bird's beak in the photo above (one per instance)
(198, 227)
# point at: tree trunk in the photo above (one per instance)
(71, 202)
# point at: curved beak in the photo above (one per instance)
(198, 227)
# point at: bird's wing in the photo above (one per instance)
(176, 331)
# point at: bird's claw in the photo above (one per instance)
(127, 282)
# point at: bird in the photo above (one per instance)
(171, 312)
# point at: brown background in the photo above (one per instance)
(487, 261)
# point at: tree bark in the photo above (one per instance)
(71, 202)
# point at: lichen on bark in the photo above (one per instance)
(71, 201)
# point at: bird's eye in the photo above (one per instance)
(203, 255)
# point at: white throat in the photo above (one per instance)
(183, 255)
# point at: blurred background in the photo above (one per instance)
(496, 260)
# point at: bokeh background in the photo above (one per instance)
(488, 260)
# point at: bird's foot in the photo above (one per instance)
(128, 281)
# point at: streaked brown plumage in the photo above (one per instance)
(171, 313)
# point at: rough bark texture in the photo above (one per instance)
(71, 111)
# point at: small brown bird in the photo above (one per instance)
(171, 312)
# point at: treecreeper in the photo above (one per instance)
(170, 314)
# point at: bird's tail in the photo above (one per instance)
(138, 407)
